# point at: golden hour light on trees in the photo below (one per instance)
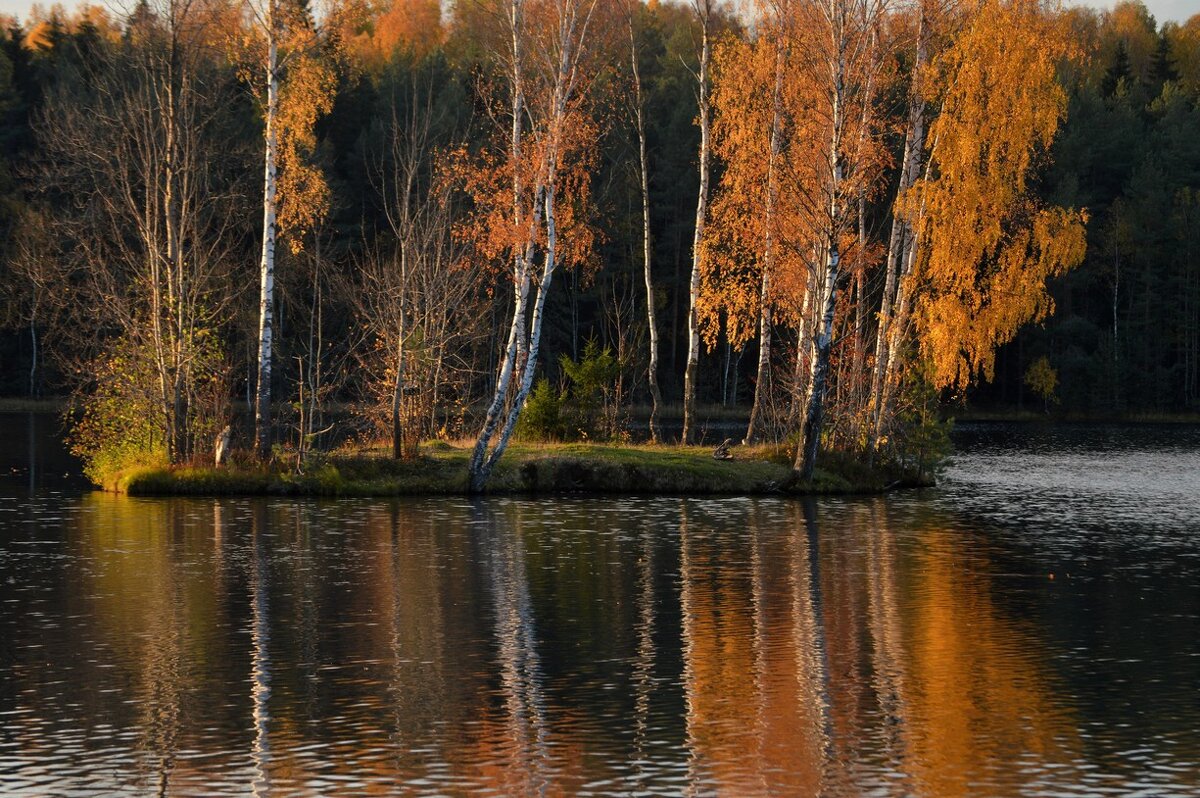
(985, 245)
(852, 206)
(281, 49)
(531, 186)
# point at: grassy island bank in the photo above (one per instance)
(441, 469)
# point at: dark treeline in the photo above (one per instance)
(131, 188)
(1125, 336)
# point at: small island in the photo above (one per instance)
(441, 468)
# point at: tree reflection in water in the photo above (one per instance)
(523, 647)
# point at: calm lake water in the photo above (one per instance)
(1031, 627)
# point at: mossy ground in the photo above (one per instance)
(441, 469)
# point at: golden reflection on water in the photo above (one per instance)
(518, 648)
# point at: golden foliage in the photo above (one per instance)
(43, 22)
(372, 33)
(497, 235)
(987, 246)
(414, 25)
(783, 202)
(306, 95)
(733, 248)
(508, 182)
(1185, 52)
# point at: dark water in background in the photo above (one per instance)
(1031, 627)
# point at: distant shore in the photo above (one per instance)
(1014, 415)
(719, 417)
(580, 468)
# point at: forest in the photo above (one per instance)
(600, 220)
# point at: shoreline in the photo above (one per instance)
(525, 469)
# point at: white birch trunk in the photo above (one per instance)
(818, 375)
(478, 468)
(803, 344)
(703, 11)
(644, 169)
(899, 242)
(524, 346)
(818, 383)
(535, 333)
(398, 381)
(266, 302)
(178, 444)
(516, 333)
(762, 383)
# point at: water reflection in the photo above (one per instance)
(513, 647)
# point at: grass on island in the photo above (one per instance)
(526, 468)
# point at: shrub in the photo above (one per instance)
(117, 424)
(1042, 379)
(541, 418)
(921, 441)
(122, 420)
(589, 410)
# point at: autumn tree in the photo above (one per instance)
(741, 250)
(901, 247)
(295, 85)
(531, 198)
(376, 34)
(982, 245)
(633, 12)
(705, 11)
(839, 57)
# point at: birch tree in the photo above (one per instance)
(741, 248)
(981, 245)
(762, 381)
(270, 22)
(547, 76)
(704, 11)
(639, 115)
(900, 241)
(841, 59)
(296, 87)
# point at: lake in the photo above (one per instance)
(1032, 627)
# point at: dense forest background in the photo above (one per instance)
(1124, 338)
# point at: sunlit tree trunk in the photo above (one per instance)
(644, 174)
(479, 468)
(703, 9)
(818, 375)
(398, 378)
(857, 347)
(535, 326)
(900, 242)
(266, 301)
(799, 390)
(173, 223)
(822, 343)
(762, 382)
(567, 44)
